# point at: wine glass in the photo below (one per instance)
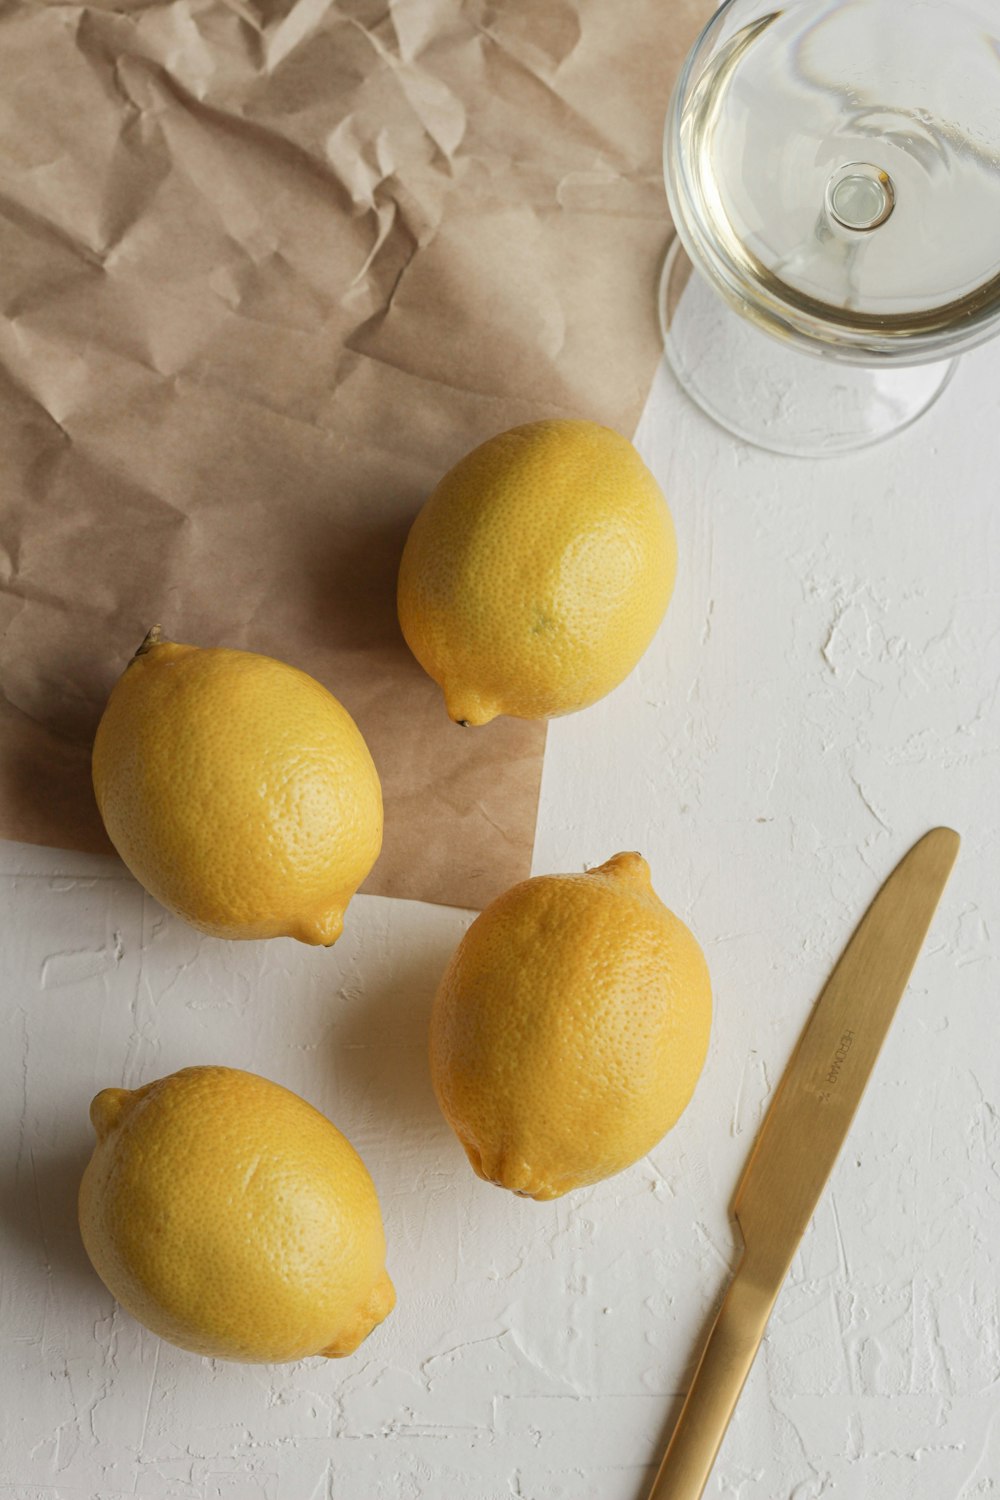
(833, 170)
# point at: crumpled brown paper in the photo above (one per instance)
(266, 271)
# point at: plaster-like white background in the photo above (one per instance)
(824, 689)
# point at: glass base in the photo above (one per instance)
(773, 394)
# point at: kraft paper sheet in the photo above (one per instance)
(266, 271)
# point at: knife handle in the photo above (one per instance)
(715, 1389)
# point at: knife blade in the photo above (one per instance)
(799, 1142)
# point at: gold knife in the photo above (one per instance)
(798, 1143)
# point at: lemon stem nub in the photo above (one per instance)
(106, 1110)
(153, 637)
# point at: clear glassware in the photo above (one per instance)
(833, 171)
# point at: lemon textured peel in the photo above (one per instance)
(233, 1219)
(537, 572)
(569, 1029)
(238, 791)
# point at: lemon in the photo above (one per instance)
(538, 571)
(238, 791)
(232, 1218)
(570, 1028)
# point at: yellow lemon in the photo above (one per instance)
(570, 1028)
(231, 1218)
(536, 574)
(238, 791)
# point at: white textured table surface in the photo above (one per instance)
(824, 689)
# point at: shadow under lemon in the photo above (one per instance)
(379, 1049)
(38, 1198)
